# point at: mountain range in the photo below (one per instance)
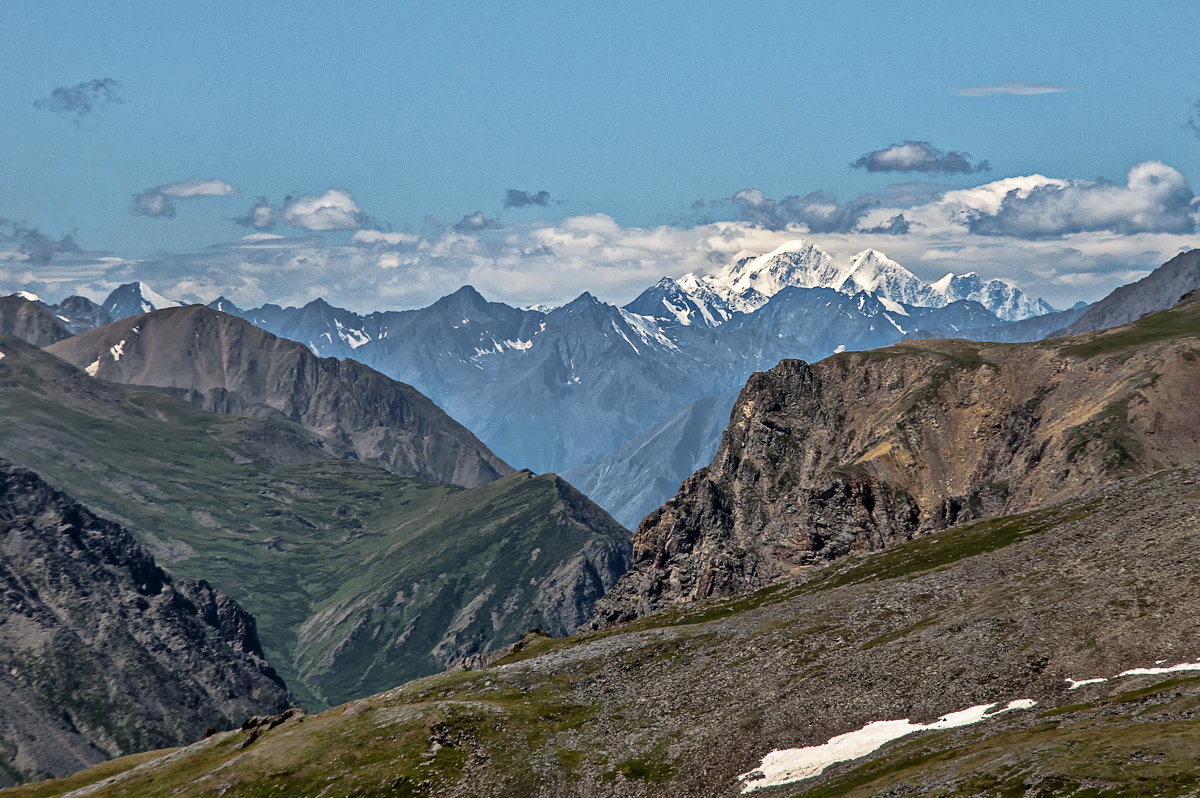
(937, 568)
(571, 389)
(566, 389)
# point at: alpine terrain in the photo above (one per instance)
(1032, 630)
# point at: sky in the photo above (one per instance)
(539, 149)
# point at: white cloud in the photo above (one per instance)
(1018, 87)
(333, 210)
(158, 202)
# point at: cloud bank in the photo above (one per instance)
(158, 202)
(1061, 239)
(79, 101)
(919, 156)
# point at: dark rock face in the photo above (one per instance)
(81, 314)
(865, 450)
(226, 365)
(1158, 290)
(30, 321)
(102, 653)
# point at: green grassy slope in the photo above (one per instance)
(337, 560)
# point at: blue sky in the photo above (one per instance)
(426, 113)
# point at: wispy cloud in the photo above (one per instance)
(159, 202)
(516, 198)
(1011, 87)
(919, 156)
(1193, 122)
(77, 102)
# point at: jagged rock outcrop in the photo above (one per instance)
(1158, 290)
(30, 321)
(102, 653)
(864, 450)
(224, 364)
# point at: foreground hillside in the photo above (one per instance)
(682, 703)
(865, 450)
(359, 578)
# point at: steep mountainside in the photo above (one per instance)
(30, 321)
(865, 450)
(1034, 328)
(224, 364)
(1160, 289)
(101, 652)
(405, 576)
(986, 616)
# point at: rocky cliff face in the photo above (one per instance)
(30, 322)
(224, 364)
(864, 450)
(101, 652)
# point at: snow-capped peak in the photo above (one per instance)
(874, 272)
(798, 263)
(29, 296)
(152, 300)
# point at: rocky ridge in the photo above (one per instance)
(865, 450)
(102, 653)
(223, 364)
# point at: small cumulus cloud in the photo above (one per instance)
(516, 198)
(333, 210)
(159, 202)
(474, 222)
(1156, 198)
(919, 156)
(77, 102)
(261, 217)
(1193, 122)
(1017, 87)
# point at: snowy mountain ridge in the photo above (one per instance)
(749, 280)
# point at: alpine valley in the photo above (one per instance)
(891, 538)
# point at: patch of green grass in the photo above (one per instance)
(1153, 328)
(650, 768)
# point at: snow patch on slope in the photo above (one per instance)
(795, 764)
